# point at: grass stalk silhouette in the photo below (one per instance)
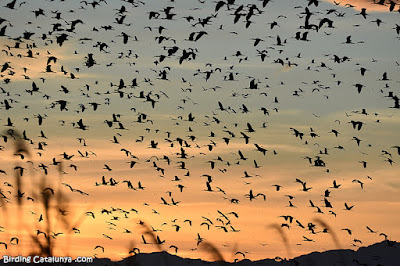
(213, 252)
(46, 200)
(284, 238)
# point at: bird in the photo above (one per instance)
(327, 203)
(181, 120)
(4, 244)
(277, 187)
(347, 230)
(100, 247)
(347, 207)
(335, 185)
(358, 181)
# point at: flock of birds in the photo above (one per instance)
(185, 110)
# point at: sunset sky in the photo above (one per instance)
(175, 123)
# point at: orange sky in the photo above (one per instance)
(369, 5)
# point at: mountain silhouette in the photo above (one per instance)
(386, 253)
